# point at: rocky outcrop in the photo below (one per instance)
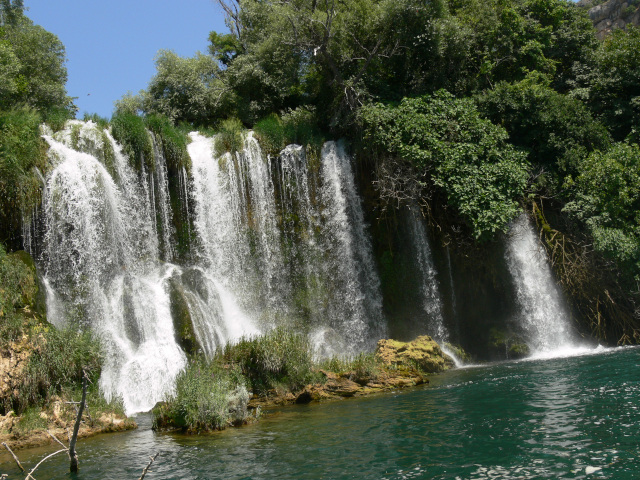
(340, 385)
(422, 353)
(612, 14)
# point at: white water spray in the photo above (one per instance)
(543, 315)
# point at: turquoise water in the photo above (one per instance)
(575, 417)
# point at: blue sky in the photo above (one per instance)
(111, 45)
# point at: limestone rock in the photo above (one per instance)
(611, 15)
(422, 353)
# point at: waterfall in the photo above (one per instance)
(356, 307)
(276, 241)
(101, 268)
(293, 249)
(429, 291)
(543, 315)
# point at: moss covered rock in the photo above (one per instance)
(182, 323)
(422, 353)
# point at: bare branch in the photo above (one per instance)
(13, 455)
(30, 474)
(73, 456)
(146, 469)
(53, 436)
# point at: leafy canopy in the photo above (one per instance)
(466, 156)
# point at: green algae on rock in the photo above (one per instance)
(422, 353)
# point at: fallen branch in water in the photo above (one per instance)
(13, 455)
(73, 456)
(146, 469)
(30, 474)
(53, 436)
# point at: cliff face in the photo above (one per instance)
(612, 14)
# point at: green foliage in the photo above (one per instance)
(230, 137)
(614, 86)
(33, 59)
(466, 156)
(206, 398)
(279, 359)
(173, 141)
(101, 122)
(556, 130)
(21, 152)
(511, 38)
(57, 360)
(362, 368)
(30, 421)
(293, 127)
(130, 130)
(18, 289)
(187, 89)
(607, 200)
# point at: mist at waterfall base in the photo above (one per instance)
(570, 418)
(269, 241)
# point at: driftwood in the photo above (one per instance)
(146, 469)
(54, 437)
(13, 455)
(73, 456)
(30, 474)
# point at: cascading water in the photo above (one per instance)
(279, 241)
(429, 291)
(543, 315)
(101, 268)
(293, 249)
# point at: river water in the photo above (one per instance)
(575, 417)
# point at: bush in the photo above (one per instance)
(607, 199)
(298, 126)
(230, 137)
(280, 359)
(361, 369)
(556, 130)
(57, 361)
(21, 152)
(208, 396)
(130, 130)
(173, 140)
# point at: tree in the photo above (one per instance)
(462, 155)
(187, 89)
(607, 201)
(39, 76)
(614, 83)
(557, 131)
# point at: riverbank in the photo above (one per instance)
(213, 395)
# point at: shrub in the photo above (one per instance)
(230, 137)
(21, 152)
(208, 396)
(173, 140)
(361, 369)
(101, 122)
(607, 200)
(280, 359)
(18, 288)
(130, 130)
(462, 155)
(297, 126)
(270, 134)
(57, 361)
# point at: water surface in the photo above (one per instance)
(574, 417)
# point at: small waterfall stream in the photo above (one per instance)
(543, 314)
